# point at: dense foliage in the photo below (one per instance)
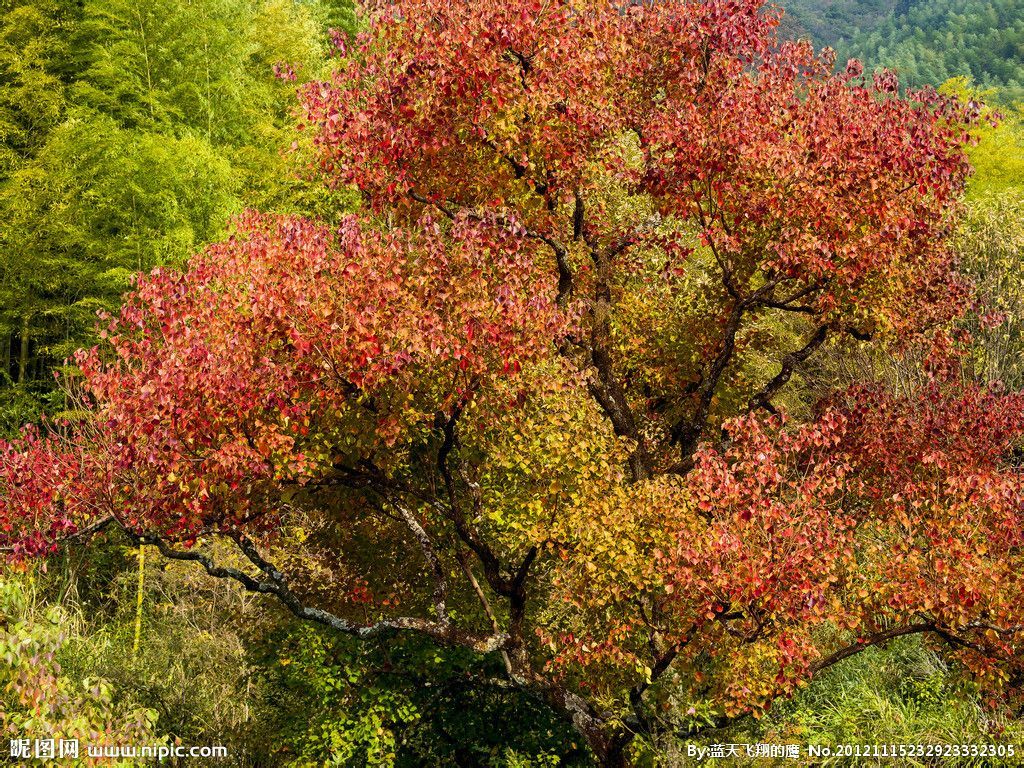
(131, 131)
(666, 376)
(38, 698)
(934, 40)
(827, 22)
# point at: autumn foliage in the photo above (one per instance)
(568, 374)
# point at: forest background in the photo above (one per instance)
(131, 132)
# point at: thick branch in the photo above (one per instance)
(871, 640)
(275, 583)
(786, 307)
(430, 555)
(607, 390)
(492, 567)
(578, 216)
(687, 432)
(763, 398)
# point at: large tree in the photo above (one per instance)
(534, 402)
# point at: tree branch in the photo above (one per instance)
(763, 398)
(492, 567)
(275, 583)
(869, 641)
(429, 554)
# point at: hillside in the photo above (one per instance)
(826, 22)
(940, 39)
(927, 41)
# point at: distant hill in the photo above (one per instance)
(926, 41)
(826, 22)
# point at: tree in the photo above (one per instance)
(37, 66)
(828, 22)
(939, 39)
(997, 148)
(129, 131)
(530, 404)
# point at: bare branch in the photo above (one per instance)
(763, 398)
(275, 583)
(429, 553)
(871, 640)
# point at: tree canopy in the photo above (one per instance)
(131, 131)
(551, 395)
(934, 40)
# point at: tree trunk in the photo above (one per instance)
(23, 360)
(609, 749)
